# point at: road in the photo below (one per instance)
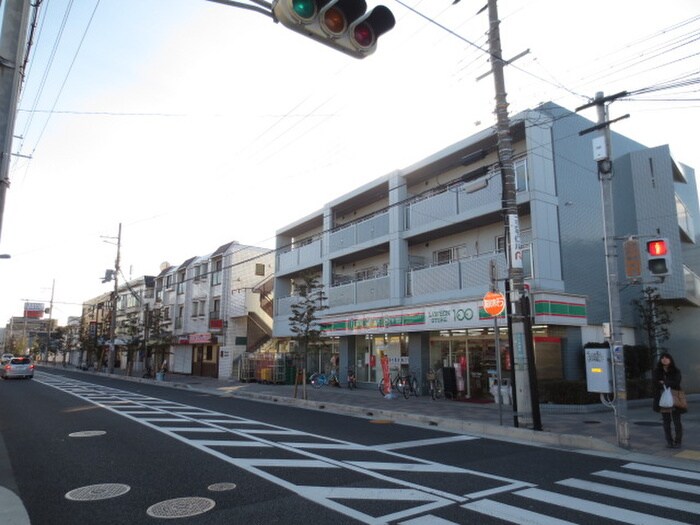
(87, 449)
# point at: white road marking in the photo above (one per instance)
(424, 442)
(597, 509)
(633, 495)
(512, 514)
(663, 470)
(652, 482)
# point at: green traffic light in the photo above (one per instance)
(304, 8)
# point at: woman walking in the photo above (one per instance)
(667, 375)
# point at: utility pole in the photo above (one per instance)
(48, 332)
(527, 401)
(12, 43)
(115, 296)
(602, 154)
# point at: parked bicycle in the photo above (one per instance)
(318, 380)
(434, 384)
(411, 386)
(401, 384)
(352, 380)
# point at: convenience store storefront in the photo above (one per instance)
(457, 337)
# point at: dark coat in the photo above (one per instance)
(670, 379)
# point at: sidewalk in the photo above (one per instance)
(573, 427)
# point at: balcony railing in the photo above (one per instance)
(451, 202)
(303, 256)
(469, 275)
(358, 292)
(360, 231)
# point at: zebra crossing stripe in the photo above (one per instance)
(424, 442)
(633, 495)
(652, 482)
(512, 514)
(597, 509)
(428, 519)
(664, 470)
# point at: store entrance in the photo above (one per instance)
(467, 364)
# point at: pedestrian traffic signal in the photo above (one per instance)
(658, 257)
(341, 24)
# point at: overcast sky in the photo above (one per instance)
(194, 124)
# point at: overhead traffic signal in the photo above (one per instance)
(658, 257)
(344, 25)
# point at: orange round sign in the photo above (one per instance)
(494, 303)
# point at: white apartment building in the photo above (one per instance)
(404, 259)
(214, 307)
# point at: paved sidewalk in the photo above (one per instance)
(574, 427)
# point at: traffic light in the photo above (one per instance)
(658, 257)
(341, 24)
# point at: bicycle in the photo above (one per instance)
(317, 379)
(434, 385)
(400, 383)
(411, 386)
(352, 380)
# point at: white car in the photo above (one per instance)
(17, 367)
(6, 357)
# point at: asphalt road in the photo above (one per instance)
(153, 453)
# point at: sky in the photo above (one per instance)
(193, 124)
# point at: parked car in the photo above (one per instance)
(7, 357)
(17, 367)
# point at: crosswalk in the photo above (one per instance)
(388, 486)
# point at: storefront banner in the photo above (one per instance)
(198, 339)
(454, 316)
(385, 374)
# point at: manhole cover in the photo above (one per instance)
(87, 433)
(592, 422)
(98, 492)
(648, 423)
(221, 487)
(180, 508)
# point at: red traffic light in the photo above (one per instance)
(657, 247)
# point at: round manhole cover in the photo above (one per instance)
(87, 433)
(221, 487)
(180, 508)
(98, 492)
(592, 422)
(648, 423)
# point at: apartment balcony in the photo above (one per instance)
(299, 258)
(692, 286)
(460, 199)
(359, 232)
(359, 292)
(468, 277)
(685, 221)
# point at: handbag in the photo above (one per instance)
(666, 399)
(679, 399)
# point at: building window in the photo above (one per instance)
(168, 281)
(217, 271)
(527, 255)
(442, 256)
(166, 313)
(520, 168)
(259, 269)
(181, 282)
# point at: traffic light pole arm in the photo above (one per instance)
(262, 6)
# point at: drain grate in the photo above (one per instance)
(221, 487)
(180, 508)
(98, 492)
(87, 433)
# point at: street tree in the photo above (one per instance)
(655, 320)
(304, 319)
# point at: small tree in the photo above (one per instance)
(304, 319)
(655, 319)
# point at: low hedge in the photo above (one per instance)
(564, 392)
